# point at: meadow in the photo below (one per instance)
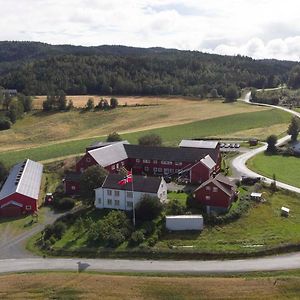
(70, 285)
(221, 127)
(38, 128)
(285, 168)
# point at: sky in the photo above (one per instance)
(256, 28)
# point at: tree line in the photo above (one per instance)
(136, 71)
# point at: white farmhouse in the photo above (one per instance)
(116, 196)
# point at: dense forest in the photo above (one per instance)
(36, 68)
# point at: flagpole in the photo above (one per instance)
(133, 206)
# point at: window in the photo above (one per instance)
(146, 169)
(171, 170)
(215, 189)
(155, 161)
(207, 197)
(99, 200)
(146, 161)
(122, 163)
(117, 166)
(73, 188)
(137, 160)
(208, 188)
(117, 202)
(129, 204)
(113, 167)
(109, 193)
(155, 169)
(166, 171)
(166, 162)
(159, 169)
(129, 195)
(117, 193)
(178, 163)
(88, 159)
(109, 202)
(28, 207)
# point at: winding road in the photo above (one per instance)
(271, 263)
(239, 163)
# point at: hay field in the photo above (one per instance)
(98, 286)
(40, 128)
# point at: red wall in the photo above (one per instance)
(218, 199)
(68, 187)
(23, 200)
(86, 161)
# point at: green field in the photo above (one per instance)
(171, 135)
(286, 168)
(71, 285)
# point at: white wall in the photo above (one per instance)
(184, 222)
(123, 198)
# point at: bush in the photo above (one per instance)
(4, 124)
(148, 208)
(153, 240)
(113, 137)
(150, 140)
(59, 229)
(148, 227)
(175, 208)
(137, 237)
(64, 204)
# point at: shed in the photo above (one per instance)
(285, 211)
(184, 222)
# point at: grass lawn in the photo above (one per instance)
(171, 135)
(261, 228)
(286, 168)
(178, 196)
(70, 285)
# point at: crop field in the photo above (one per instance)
(285, 168)
(39, 128)
(67, 285)
(171, 135)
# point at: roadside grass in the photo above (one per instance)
(68, 285)
(261, 228)
(171, 135)
(45, 127)
(286, 168)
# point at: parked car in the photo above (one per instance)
(227, 145)
(222, 145)
(232, 145)
(236, 145)
(168, 179)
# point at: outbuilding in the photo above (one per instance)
(20, 192)
(184, 222)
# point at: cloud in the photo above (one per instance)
(258, 28)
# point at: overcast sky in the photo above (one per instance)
(257, 28)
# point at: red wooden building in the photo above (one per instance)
(196, 165)
(217, 193)
(20, 192)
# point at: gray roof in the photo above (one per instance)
(110, 154)
(24, 178)
(140, 183)
(222, 182)
(208, 162)
(199, 144)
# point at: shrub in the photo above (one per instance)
(113, 137)
(175, 208)
(148, 227)
(153, 240)
(148, 208)
(64, 204)
(59, 229)
(4, 124)
(137, 237)
(150, 140)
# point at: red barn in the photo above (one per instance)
(20, 192)
(217, 193)
(195, 165)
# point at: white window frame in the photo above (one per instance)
(28, 207)
(109, 202)
(215, 189)
(109, 192)
(73, 187)
(88, 159)
(146, 161)
(129, 194)
(99, 200)
(155, 161)
(178, 163)
(166, 162)
(138, 160)
(117, 193)
(129, 204)
(207, 188)
(117, 202)
(207, 198)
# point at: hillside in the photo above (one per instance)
(37, 68)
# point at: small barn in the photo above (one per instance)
(20, 192)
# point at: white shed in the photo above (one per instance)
(184, 222)
(285, 211)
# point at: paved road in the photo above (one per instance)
(239, 163)
(272, 263)
(13, 246)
